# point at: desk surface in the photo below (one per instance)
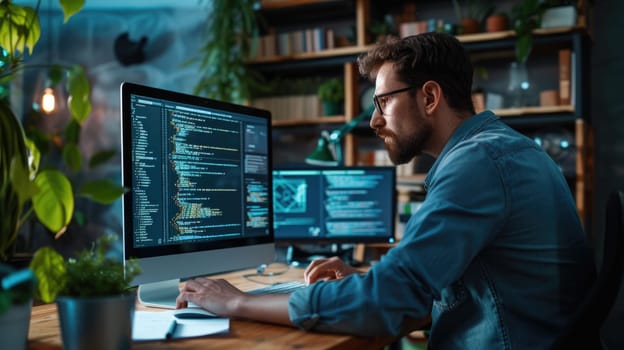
(44, 330)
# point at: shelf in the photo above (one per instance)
(314, 121)
(518, 112)
(471, 40)
(282, 4)
(340, 51)
(554, 114)
(509, 34)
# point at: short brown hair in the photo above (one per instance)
(429, 56)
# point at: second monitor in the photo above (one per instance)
(331, 206)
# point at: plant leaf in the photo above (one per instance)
(33, 29)
(101, 157)
(101, 191)
(79, 91)
(70, 7)
(72, 156)
(34, 158)
(55, 74)
(23, 186)
(51, 272)
(54, 203)
(72, 132)
(524, 45)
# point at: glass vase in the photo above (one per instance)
(519, 87)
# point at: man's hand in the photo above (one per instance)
(217, 296)
(221, 298)
(327, 269)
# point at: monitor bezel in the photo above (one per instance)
(391, 238)
(150, 253)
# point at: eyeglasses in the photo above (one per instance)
(380, 102)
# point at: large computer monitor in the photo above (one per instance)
(332, 206)
(200, 188)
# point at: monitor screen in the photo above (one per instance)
(199, 178)
(334, 204)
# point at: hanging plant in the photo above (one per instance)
(230, 40)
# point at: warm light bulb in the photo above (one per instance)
(48, 101)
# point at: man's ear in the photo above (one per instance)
(432, 93)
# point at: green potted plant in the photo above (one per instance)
(92, 293)
(471, 14)
(331, 92)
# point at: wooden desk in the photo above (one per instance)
(45, 333)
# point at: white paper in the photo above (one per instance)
(153, 325)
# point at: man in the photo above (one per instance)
(496, 254)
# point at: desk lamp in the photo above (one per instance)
(328, 151)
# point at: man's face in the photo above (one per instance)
(403, 127)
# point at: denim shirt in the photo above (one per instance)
(496, 254)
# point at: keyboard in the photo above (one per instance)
(278, 288)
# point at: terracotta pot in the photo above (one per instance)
(469, 26)
(496, 23)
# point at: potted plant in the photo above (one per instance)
(331, 93)
(92, 293)
(471, 14)
(379, 29)
(497, 22)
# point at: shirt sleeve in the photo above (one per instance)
(464, 208)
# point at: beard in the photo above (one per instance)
(401, 150)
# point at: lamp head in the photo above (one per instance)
(325, 152)
(329, 149)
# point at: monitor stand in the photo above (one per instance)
(302, 256)
(161, 294)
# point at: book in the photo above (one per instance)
(565, 75)
(156, 325)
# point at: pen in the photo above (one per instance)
(172, 329)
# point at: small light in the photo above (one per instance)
(48, 101)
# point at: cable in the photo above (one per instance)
(265, 270)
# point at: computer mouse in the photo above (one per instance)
(192, 312)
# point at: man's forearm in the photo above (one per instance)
(266, 308)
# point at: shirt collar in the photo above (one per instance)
(466, 129)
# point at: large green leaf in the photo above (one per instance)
(22, 184)
(102, 191)
(51, 272)
(19, 28)
(54, 203)
(33, 31)
(71, 7)
(79, 91)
